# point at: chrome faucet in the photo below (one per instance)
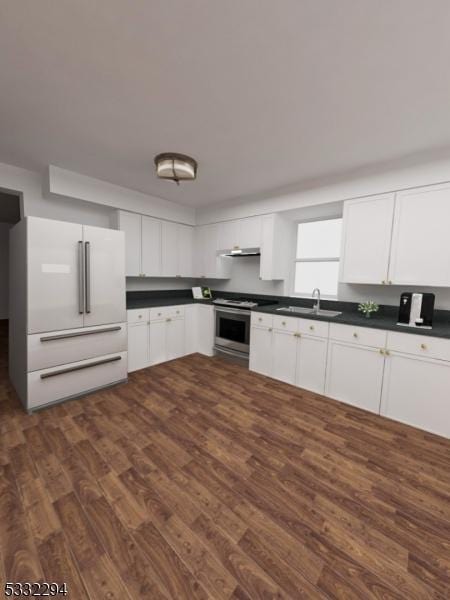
(316, 306)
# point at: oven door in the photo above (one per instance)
(233, 329)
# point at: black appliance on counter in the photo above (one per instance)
(416, 310)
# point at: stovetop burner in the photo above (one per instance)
(243, 302)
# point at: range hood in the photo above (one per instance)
(241, 252)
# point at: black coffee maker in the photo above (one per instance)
(416, 310)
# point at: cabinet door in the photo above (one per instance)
(175, 338)
(261, 350)
(191, 328)
(55, 288)
(151, 247)
(366, 239)
(250, 232)
(158, 352)
(228, 235)
(105, 276)
(311, 363)
(169, 249)
(130, 224)
(138, 347)
(206, 329)
(185, 251)
(416, 392)
(355, 375)
(284, 356)
(420, 246)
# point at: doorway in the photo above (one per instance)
(9, 215)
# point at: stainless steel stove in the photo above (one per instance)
(233, 325)
(238, 302)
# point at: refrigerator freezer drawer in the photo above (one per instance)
(60, 347)
(74, 379)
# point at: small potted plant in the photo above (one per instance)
(367, 308)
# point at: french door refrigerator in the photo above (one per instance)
(68, 318)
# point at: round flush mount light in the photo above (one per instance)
(175, 167)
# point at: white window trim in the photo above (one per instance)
(295, 294)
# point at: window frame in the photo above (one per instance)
(313, 260)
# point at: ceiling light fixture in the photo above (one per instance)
(175, 167)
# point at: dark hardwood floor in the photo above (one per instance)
(199, 479)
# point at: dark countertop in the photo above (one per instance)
(386, 318)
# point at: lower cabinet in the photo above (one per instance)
(160, 334)
(138, 346)
(288, 354)
(261, 350)
(311, 363)
(355, 374)
(416, 392)
(166, 340)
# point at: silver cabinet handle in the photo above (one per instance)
(80, 367)
(63, 336)
(80, 278)
(87, 275)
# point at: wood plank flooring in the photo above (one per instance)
(201, 480)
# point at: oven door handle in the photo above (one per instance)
(235, 311)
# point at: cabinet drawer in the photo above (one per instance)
(285, 323)
(136, 315)
(358, 335)
(311, 327)
(261, 319)
(420, 345)
(166, 312)
(51, 349)
(59, 383)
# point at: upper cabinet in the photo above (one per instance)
(398, 239)
(420, 252)
(241, 233)
(366, 239)
(155, 248)
(177, 250)
(208, 262)
(131, 224)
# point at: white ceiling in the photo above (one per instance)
(262, 93)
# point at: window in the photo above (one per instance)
(317, 257)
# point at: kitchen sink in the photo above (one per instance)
(301, 310)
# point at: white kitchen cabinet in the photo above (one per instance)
(177, 250)
(151, 247)
(185, 251)
(205, 329)
(311, 362)
(170, 266)
(355, 374)
(175, 339)
(240, 233)
(416, 392)
(420, 248)
(138, 346)
(209, 264)
(284, 355)
(366, 239)
(158, 352)
(261, 352)
(131, 224)
(277, 247)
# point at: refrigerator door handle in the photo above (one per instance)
(87, 276)
(80, 278)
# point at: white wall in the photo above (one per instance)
(375, 182)
(68, 184)
(4, 269)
